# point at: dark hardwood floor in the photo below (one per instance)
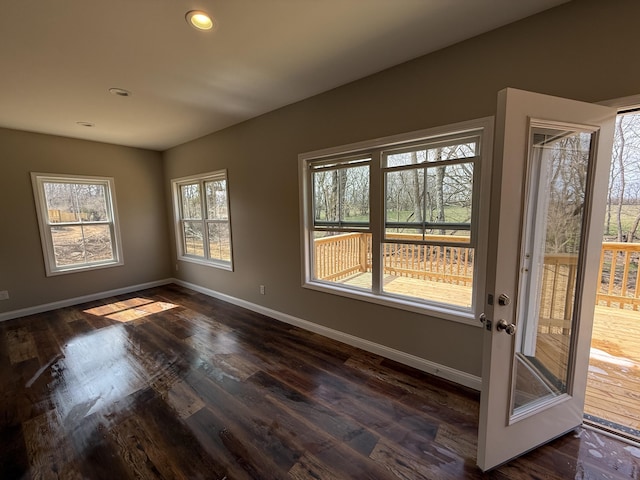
(169, 383)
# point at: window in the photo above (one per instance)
(203, 227)
(78, 222)
(397, 221)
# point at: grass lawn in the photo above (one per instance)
(628, 216)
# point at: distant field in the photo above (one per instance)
(629, 213)
(452, 214)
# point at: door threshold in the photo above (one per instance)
(612, 429)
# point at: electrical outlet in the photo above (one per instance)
(4, 295)
(261, 289)
(177, 267)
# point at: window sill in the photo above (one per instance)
(444, 312)
(208, 263)
(82, 268)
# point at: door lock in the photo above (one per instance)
(504, 300)
(485, 321)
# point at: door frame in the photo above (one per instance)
(621, 104)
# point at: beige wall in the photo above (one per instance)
(582, 50)
(141, 206)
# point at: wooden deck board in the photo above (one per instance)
(425, 289)
(613, 389)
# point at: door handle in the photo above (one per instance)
(508, 328)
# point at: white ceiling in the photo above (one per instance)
(59, 58)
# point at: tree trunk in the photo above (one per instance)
(440, 171)
(343, 205)
(634, 229)
(607, 223)
(333, 198)
(620, 160)
(416, 191)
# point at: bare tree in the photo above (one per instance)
(417, 190)
(623, 199)
(620, 134)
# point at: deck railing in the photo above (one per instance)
(339, 257)
(438, 263)
(619, 280)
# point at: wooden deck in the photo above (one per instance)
(416, 287)
(613, 391)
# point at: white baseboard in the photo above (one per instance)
(77, 300)
(451, 374)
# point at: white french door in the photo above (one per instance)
(551, 168)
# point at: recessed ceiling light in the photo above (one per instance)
(199, 20)
(121, 92)
(86, 124)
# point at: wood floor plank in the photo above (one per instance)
(244, 413)
(169, 383)
(333, 422)
(356, 401)
(407, 466)
(170, 443)
(20, 344)
(30, 390)
(598, 453)
(207, 427)
(308, 467)
(280, 430)
(13, 455)
(48, 450)
(132, 450)
(91, 441)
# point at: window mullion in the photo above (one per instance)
(204, 215)
(424, 201)
(377, 210)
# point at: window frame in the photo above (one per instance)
(343, 163)
(45, 226)
(431, 143)
(201, 179)
(481, 128)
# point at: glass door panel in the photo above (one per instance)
(558, 170)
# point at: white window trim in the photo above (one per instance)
(37, 181)
(179, 240)
(484, 128)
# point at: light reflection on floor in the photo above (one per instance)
(95, 371)
(131, 309)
